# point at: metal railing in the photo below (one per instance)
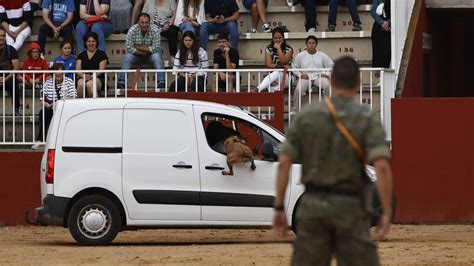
(19, 121)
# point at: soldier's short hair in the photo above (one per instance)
(345, 73)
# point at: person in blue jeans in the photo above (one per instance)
(351, 5)
(143, 46)
(90, 8)
(221, 17)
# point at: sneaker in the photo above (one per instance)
(37, 146)
(312, 30)
(331, 27)
(253, 30)
(291, 3)
(161, 85)
(356, 27)
(266, 27)
(17, 112)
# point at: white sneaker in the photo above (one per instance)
(37, 146)
(266, 27)
(312, 30)
(253, 30)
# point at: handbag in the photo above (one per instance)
(366, 183)
(92, 19)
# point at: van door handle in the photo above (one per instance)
(214, 168)
(186, 166)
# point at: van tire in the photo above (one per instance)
(94, 220)
(294, 221)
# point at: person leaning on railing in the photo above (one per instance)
(9, 61)
(91, 59)
(57, 87)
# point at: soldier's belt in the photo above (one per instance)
(332, 191)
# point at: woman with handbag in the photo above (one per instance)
(163, 15)
(90, 59)
(94, 17)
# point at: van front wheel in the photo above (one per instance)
(94, 220)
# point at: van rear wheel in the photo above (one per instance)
(94, 220)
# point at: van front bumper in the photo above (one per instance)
(52, 211)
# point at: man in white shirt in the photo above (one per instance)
(311, 58)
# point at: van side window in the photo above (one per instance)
(218, 128)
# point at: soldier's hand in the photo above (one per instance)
(280, 224)
(382, 228)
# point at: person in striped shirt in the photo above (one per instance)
(57, 87)
(189, 60)
(16, 18)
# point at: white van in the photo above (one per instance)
(116, 164)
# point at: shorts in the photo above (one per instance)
(248, 3)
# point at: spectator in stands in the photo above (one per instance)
(57, 16)
(190, 15)
(225, 57)
(163, 15)
(257, 10)
(310, 14)
(221, 17)
(33, 62)
(57, 87)
(66, 58)
(278, 54)
(351, 5)
(94, 17)
(381, 43)
(143, 46)
(91, 59)
(137, 9)
(188, 61)
(120, 15)
(16, 17)
(311, 58)
(9, 61)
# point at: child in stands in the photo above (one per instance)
(66, 58)
(33, 62)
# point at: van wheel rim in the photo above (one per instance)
(94, 221)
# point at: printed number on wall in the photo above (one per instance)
(346, 50)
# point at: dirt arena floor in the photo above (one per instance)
(406, 245)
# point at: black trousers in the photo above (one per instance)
(9, 88)
(172, 35)
(309, 13)
(182, 84)
(45, 31)
(381, 47)
(48, 115)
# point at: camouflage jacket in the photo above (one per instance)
(327, 159)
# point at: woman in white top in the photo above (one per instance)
(278, 54)
(188, 61)
(190, 15)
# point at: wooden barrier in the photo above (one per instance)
(20, 189)
(433, 159)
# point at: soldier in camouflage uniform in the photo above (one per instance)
(331, 218)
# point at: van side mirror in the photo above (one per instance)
(268, 153)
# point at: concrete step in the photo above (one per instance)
(251, 45)
(292, 17)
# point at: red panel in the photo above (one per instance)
(20, 189)
(433, 159)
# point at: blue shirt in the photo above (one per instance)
(58, 10)
(69, 64)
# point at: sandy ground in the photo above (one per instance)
(406, 245)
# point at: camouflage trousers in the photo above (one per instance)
(330, 225)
